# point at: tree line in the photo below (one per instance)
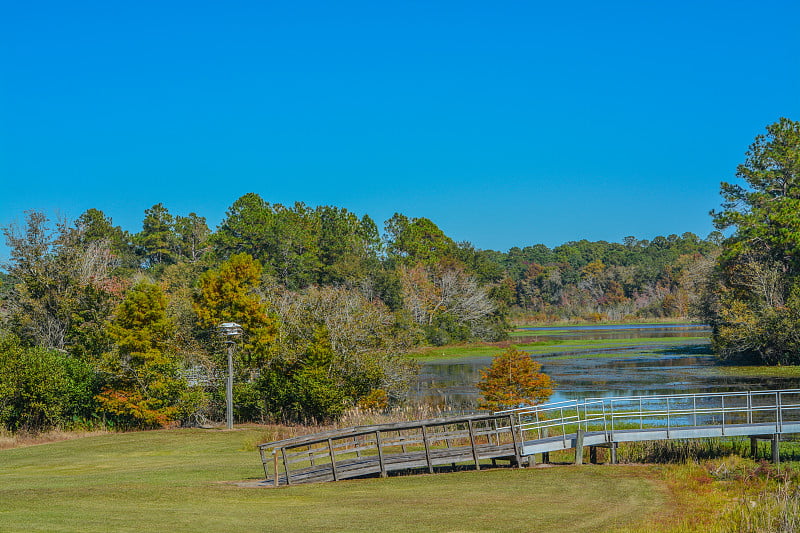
(329, 304)
(100, 325)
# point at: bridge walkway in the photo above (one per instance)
(517, 435)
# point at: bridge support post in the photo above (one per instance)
(532, 460)
(754, 447)
(593, 454)
(379, 445)
(776, 448)
(613, 449)
(579, 447)
(546, 458)
(472, 444)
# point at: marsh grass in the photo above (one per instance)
(681, 451)
(19, 439)
(552, 347)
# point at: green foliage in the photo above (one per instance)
(41, 389)
(230, 293)
(512, 379)
(336, 349)
(61, 285)
(157, 242)
(143, 388)
(417, 240)
(754, 303)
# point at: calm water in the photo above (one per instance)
(633, 370)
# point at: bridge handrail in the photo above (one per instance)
(669, 411)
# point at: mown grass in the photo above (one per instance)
(184, 480)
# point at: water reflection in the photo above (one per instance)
(630, 371)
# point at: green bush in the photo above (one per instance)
(41, 389)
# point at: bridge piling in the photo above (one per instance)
(579, 447)
(776, 449)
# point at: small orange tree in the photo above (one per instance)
(513, 378)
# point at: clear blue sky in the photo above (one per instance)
(506, 123)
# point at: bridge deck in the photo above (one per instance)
(370, 465)
(512, 435)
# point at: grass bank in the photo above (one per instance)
(547, 346)
(529, 322)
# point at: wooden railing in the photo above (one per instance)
(379, 449)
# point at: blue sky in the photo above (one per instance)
(506, 123)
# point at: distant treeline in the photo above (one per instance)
(126, 323)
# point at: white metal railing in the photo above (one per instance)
(558, 419)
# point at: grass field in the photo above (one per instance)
(184, 480)
(188, 480)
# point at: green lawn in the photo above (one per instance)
(184, 480)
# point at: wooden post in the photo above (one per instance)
(531, 460)
(579, 446)
(545, 455)
(517, 457)
(427, 450)
(275, 465)
(754, 447)
(472, 443)
(380, 453)
(264, 462)
(593, 454)
(447, 442)
(776, 448)
(333, 460)
(285, 467)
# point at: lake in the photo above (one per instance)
(599, 361)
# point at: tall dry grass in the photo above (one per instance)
(20, 439)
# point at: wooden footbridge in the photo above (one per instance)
(518, 435)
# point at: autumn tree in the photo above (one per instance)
(143, 386)
(512, 379)
(445, 300)
(231, 293)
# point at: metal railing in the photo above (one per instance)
(771, 410)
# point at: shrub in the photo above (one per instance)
(41, 389)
